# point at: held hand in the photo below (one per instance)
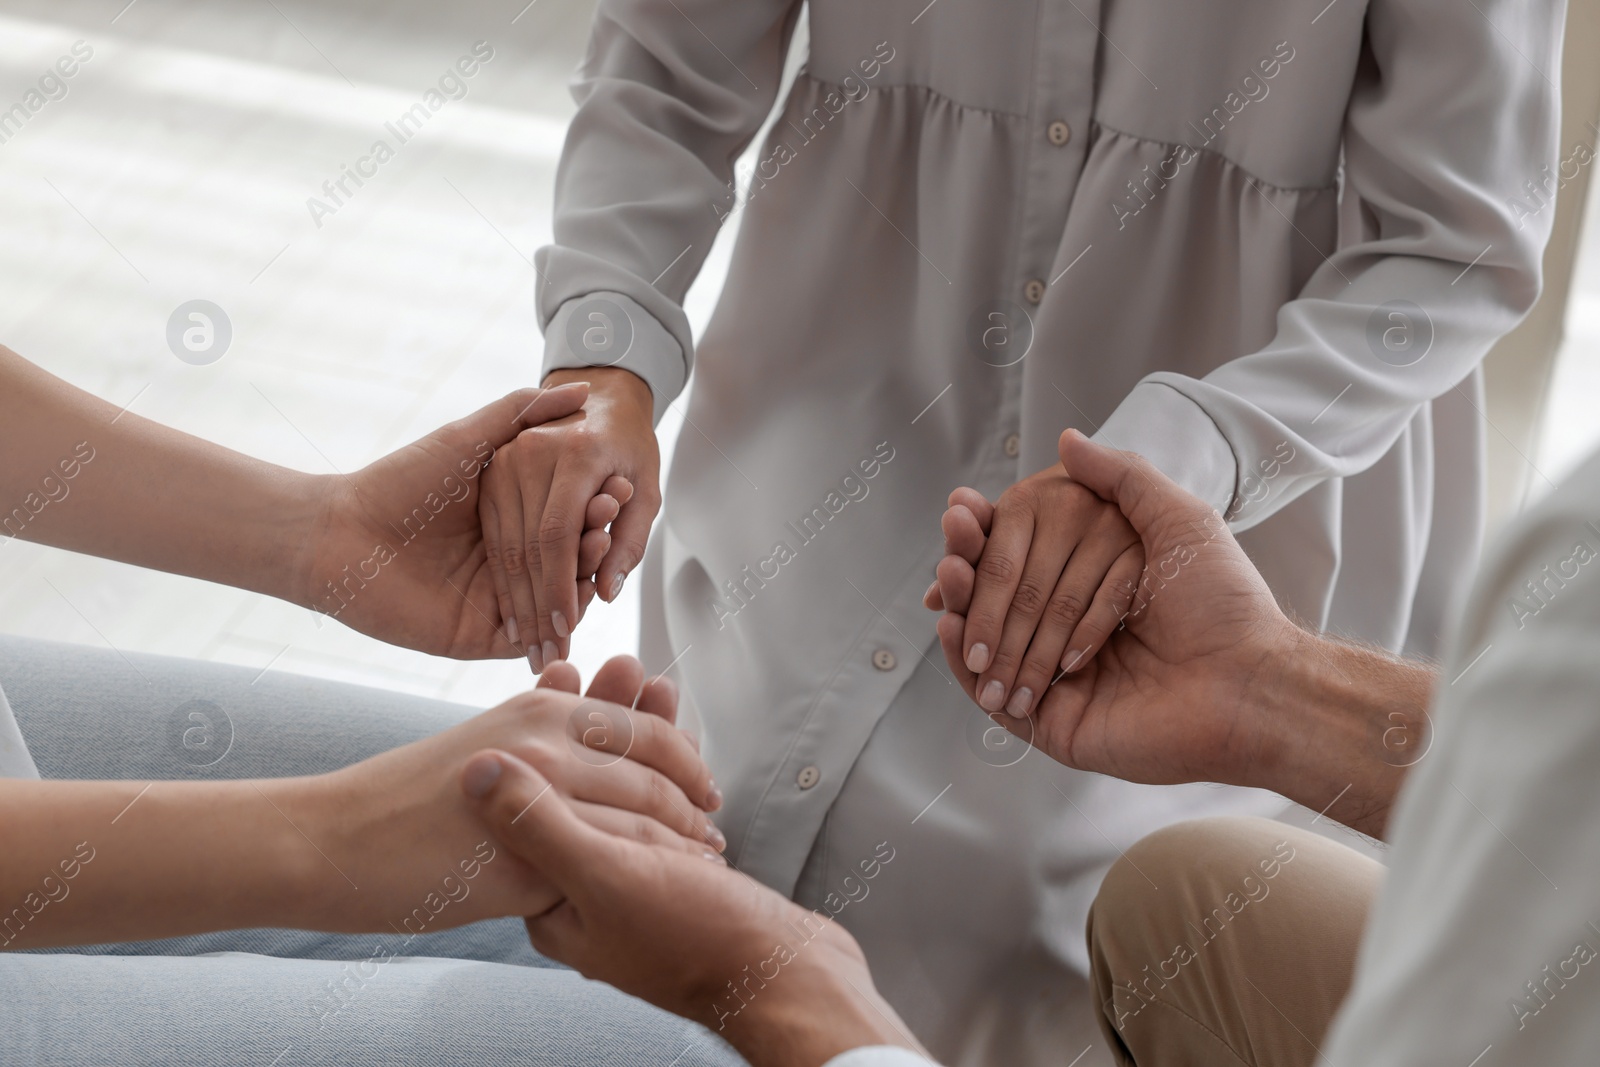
(683, 933)
(396, 824)
(1167, 699)
(1053, 578)
(600, 465)
(397, 551)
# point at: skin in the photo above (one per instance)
(552, 482)
(1055, 569)
(358, 849)
(1208, 680)
(1204, 680)
(674, 930)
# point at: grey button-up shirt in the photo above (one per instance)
(1265, 244)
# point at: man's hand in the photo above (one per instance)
(397, 550)
(787, 987)
(1055, 571)
(1169, 697)
(600, 465)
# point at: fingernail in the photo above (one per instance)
(714, 835)
(1020, 702)
(992, 697)
(1069, 662)
(511, 632)
(480, 777)
(713, 798)
(978, 659)
(616, 584)
(559, 621)
(535, 660)
(714, 858)
(551, 652)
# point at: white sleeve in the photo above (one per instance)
(668, 96)
(1484, 947)
(1452, 114)
(880, 1056)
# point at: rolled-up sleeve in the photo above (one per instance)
(668, 97)
(1449, 158)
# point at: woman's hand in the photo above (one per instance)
(397, 550)
(548, 487)
(1051, 569)
(395, 834)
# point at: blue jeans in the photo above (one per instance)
(476, 995)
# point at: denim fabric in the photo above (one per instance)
(477, 995)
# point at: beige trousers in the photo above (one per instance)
(1227, 941)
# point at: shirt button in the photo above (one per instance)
(1013, 445)
(1034, 291)
(1059, 133)
(808, 777)
(884, 660)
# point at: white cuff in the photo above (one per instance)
(605, 329)
(1172, 431)
(880, 1056)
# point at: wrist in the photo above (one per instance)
(613, 384)
(1348, 722)
(822, 1005)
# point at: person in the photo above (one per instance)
(1264, 245)
(1216, 941)
(208, 864)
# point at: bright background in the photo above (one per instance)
(178, 167)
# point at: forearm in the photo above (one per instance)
(112, 861)
(1349, 723)
(812, 1013)
(78, 474)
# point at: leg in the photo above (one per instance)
(1226, 942)
(152, 1011)
(975, 929)
(91, 713)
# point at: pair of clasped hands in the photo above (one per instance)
(1035, 582)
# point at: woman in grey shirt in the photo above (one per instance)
(1263, 243)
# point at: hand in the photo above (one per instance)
(1055, 570)
(683, 934)
(547, 486)
(1170, 698)
(396, 824)
(397, 550)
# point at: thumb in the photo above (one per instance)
(530, 818)
(499, 422)
(1148, 499)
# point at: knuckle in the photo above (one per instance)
(514, 559)
(996, 567)
(1066, 608)
(1030, 597)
